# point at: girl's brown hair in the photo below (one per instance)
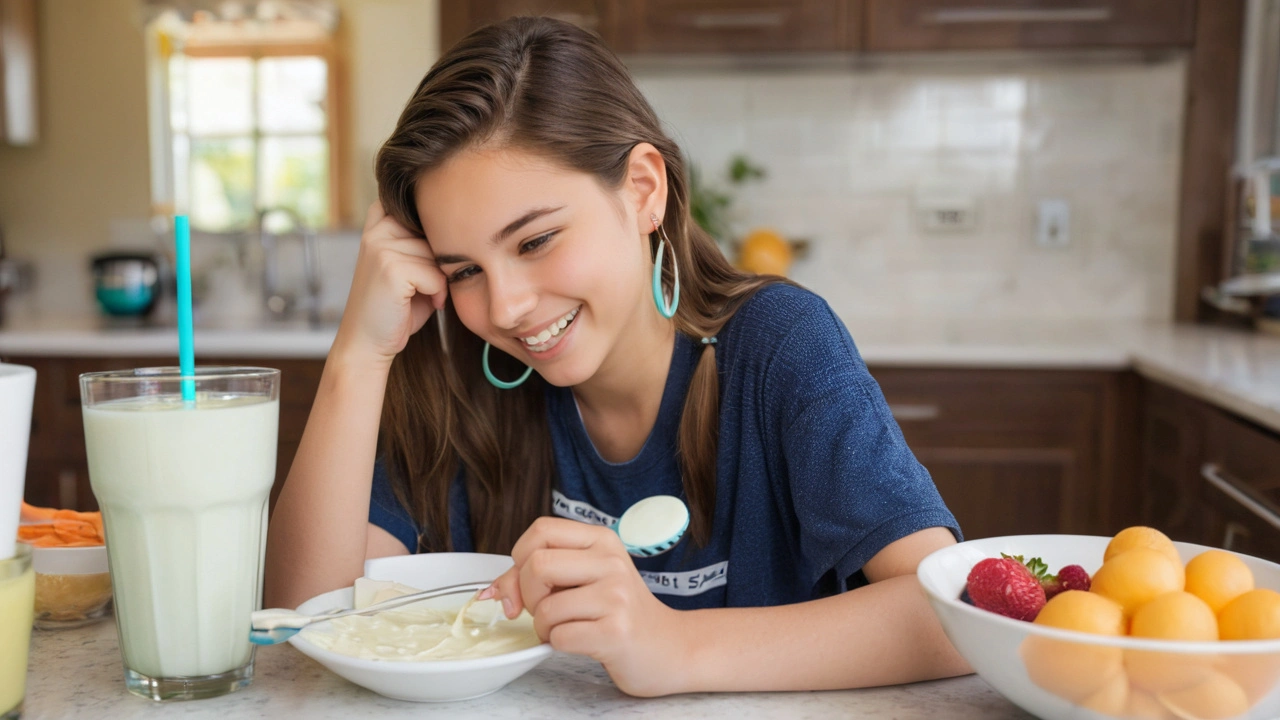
(547, 87)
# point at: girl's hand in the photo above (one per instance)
(587, 598)
(395, 289)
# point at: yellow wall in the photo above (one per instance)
(86, 184)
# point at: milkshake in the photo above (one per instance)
(17, 604)
(183, 489)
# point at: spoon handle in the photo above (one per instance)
(406, 600)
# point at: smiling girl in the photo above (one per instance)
(537, 337)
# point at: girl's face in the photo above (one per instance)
(542, 262)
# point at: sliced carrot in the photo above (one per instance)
(60, 528)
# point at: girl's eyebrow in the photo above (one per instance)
(506, 232)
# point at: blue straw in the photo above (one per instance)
(186, 334)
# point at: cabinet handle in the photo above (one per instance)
(737, 21)
(1240, 492)
(908, 412)
(1234, 530)
(973, 16)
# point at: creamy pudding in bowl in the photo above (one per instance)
(441, 649)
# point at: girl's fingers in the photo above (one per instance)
(580, 637)
(373, 215)
(506, 589)
(549, 569)
(550, 532)
(564, 606)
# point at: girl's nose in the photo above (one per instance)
(510, 300)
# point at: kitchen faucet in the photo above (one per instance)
(279, 303)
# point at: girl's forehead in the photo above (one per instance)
(477, 192)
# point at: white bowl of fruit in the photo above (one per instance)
(1141, 627)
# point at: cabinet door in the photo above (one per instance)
(1008, 24)
(1241, 477)
(1005, 491)
(1011, 451)
(720, 26)
(460, 17)
(1173, 426)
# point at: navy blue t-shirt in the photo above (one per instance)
(813, 475)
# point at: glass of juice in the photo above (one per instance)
(183, 486)
(17, 607)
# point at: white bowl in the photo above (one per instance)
(436, 681)
(1000, 649)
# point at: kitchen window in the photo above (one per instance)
(243, 120)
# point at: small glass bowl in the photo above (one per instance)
(73, 586)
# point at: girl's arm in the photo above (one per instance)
(319, 534)
(587, 598)
(884, 633)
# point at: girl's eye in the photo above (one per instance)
(535, 243)
(464, 273)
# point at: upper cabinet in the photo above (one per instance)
(727, 26)
(647, 27)
(893, 25)
(678, 27)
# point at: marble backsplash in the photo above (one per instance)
(852, 153)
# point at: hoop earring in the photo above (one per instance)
(500, 384)
(668, 310)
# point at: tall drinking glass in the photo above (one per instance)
(183, 488)
(17, 608)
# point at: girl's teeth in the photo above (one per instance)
(552, 331)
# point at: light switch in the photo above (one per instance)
(1053, 223)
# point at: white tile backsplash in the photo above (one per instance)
(849, 152)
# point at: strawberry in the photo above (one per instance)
(1070, 577)
(1005, 586)
(1074, 577)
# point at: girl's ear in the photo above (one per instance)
(646, 185)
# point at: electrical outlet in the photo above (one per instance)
(946, 213)
(1053, 223)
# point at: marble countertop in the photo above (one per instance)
(1237, 370)
(77, 673)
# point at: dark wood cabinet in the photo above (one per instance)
(459, 17)
(1020, 451)
(681, 26)
(894, 25)
(1241, 486)
(676, 27)
(1208, 476)
(57, 473)
(728, 26)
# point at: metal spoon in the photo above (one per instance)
(275, 625)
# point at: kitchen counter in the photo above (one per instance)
(1236, 370)
(77, 673)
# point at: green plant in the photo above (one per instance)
(709, 205)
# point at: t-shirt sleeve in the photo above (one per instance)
(855, 485)
(386, 512)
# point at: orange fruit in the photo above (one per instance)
(766, 252)
(1218, 577)
(1136, 576)
(1175, 615)
(1146, 537)
(1256, 673)
(1143, 704)
(1217, 697)
(1110, 699)
(1075, 671)
(1254, 615)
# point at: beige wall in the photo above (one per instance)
(85, 185)
(89, 169)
